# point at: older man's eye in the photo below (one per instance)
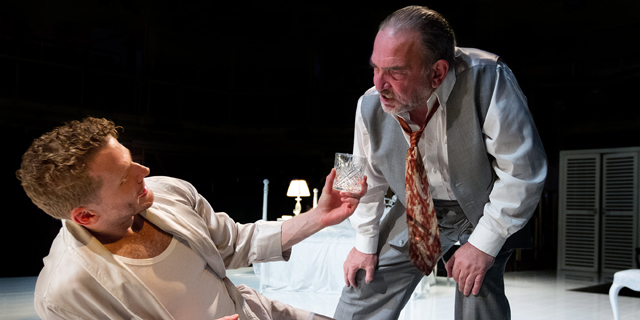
(397, 75)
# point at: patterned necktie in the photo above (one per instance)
(424, 239)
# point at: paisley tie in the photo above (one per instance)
(424, 239)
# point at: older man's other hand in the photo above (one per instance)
(468, 266)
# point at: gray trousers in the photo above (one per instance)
(395, 277)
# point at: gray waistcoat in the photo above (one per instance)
(471, 173)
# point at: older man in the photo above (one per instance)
(459, 119)
(133, 247)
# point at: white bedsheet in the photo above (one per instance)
(316, 265)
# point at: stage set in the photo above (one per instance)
(227, 95)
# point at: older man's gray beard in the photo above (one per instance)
(416, 103)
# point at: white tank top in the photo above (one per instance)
(183, 282)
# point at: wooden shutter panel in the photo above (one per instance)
(579, 203)
(619, 205)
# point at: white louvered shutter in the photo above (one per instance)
(579, 216)
(620, 208)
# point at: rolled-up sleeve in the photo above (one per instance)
(519, 163)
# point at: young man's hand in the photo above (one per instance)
(336, 206)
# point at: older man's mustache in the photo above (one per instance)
(387, 94)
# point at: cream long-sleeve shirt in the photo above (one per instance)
(81, 279)
(518, 170)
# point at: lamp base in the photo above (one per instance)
(298, 207)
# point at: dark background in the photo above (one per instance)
(225, 95)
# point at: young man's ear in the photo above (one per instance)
(83, 216)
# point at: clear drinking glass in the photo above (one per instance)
(349, 172)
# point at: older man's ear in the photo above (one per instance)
(439, 71)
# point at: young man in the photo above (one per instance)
(134, 247)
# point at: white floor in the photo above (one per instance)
(533, 295)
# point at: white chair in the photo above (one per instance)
(626, 278)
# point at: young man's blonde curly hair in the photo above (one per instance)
(54, 170)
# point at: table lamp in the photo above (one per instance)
(298, 188)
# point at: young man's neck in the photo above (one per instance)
(114, 234)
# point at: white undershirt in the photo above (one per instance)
(183, 282)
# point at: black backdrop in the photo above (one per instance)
(225, 95)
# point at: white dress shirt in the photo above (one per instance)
(504, 213)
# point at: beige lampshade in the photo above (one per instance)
(298, 188)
